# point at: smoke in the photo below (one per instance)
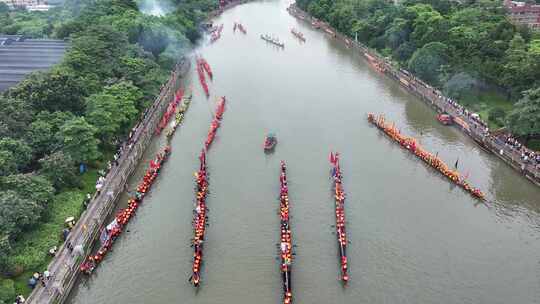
(155, 7)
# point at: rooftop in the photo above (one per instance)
(19, 57)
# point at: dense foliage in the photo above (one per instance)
(453, 45)
(75, 112)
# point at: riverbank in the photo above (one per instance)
(468, 124)
(64, 268)
(31, 251)
(408, 227)
(228, 6)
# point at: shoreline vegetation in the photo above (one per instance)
(467, 50)
(72, 118)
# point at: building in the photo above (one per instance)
(19, 57)
(524, 13)
(32, 5)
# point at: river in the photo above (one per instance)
(415, 238)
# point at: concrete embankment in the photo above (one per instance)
(433, 97)
(64, 268)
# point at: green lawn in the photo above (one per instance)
(534, 144)
(31, 250)
(483, 101)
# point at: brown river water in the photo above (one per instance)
(415, 238)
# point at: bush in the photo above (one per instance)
(7, 291)
(60, 169)
(497, 115)
(31, 250)
(30, 186)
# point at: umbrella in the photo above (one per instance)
(78, 250)
(70, 219)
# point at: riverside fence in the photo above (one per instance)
(64, 268)
(434, 98)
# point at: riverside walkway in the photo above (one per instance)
(466, 122)
(64, 268)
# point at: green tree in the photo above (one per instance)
(15, 115)
(8, 164)
(497, 115)
(54, 119)
(78, 139)
(154, 38)
(4, 9)
(113, 109)
(398, 33)
(17, 213)
(522, 67)
(60, 169)
(41, 137)
(459, 85)
(57, 90)
(21, 152)
(429, 25)
(30, 186)
(95, 51)
(7, 286)
(524, 119)
(144, 74)
(404, 52)
(428, 61)
(534, 47)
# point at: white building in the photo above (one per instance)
(31, 5)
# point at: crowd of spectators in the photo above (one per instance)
(527, 156)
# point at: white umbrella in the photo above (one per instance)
(78, 250)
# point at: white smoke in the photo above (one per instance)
(155, 7)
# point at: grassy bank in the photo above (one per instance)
(484, 102)
(30, 252)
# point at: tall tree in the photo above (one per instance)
(15, 115)
(113, 109)
(60, 169)
(60, 89)
(30, 186)
(524, 120)
(428, 61)
(20, 151)
(41, 137)
(78, 139)
(17, 213)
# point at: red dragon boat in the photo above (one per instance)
(202, 78)
(170, 110)
(341, 233)
(285, 245)
(298, 35)
(206, 67)
(199, 220)
(410, 144)
(216, 122)
(123, 216)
